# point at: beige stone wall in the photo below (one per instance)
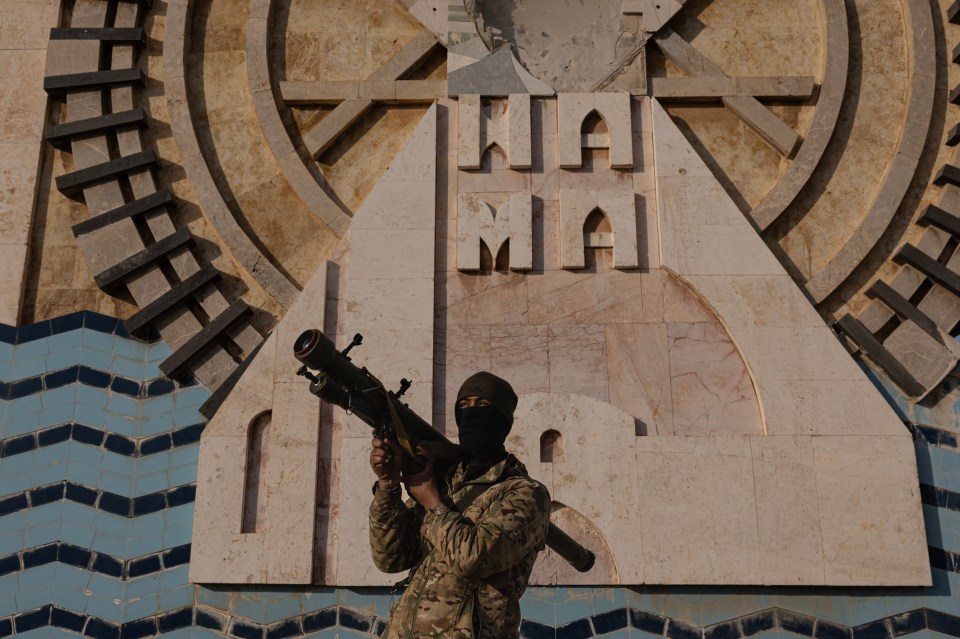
(670, 326)
(697, 388)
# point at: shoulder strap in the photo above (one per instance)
(470, 495)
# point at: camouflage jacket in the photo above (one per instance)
(467, 570)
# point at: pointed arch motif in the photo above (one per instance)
(619, 209)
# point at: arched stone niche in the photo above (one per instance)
(598, 460)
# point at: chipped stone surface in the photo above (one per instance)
(570, 45)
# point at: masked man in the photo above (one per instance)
(469, 540)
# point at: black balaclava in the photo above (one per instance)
(483, 429)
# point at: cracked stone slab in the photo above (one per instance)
(569, 44)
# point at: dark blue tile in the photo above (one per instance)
(65, 323)
(99, 629)
(212, 620)
(873, 630)
(93, 377)
(156, 444)
(10, 563)
(159, 386)
(107, 565)
(32, 332)
(908, 623)
(100, 323)
(21, 444)
(933, 436)
(579, 629)
(245, 630)
(120, 444)
(25, 387)
(121, 331)
(67, 620)
(176, 556)
(381, 626)
(928, 494)
(187, 381)
(116, 504)
(144, 566)
(609, 621)
(944, 623)
(940, 559)
(726, 630)
(680, 630)
(355, 621)
(320, 620)
(933, 496)
(139, 629)
(40, 556)
(757, 623)
(176, 619)
(74, 555)
(87, 435)
(47, 494)
(55, 435)
(798, 624)
(125, 386)
(146, 504)
(182, 495)
(81, 494)
(8, 334)
(534, 630)
(13, 504)
(61, 377)
(39, 618)
(284, 629)
(953, 500)
(947, 439)
(6, 627)
(646, 621)
(187, 435)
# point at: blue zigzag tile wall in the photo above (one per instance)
(98, 461)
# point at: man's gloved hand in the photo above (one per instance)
(385, 458)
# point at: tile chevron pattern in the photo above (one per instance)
(98, 457)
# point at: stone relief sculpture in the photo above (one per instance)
(582, 249)
(466, 204)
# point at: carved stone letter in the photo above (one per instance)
(482, 124)
(614, 108)
(618, 206)
(477, 220)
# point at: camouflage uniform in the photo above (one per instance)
(468, 570)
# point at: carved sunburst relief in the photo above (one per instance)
(598, 248)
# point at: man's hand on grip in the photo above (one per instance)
(385, 458)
